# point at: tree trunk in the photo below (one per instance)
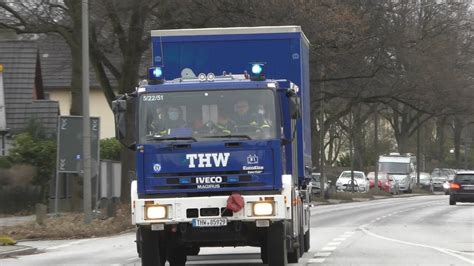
(457, 128)
(315, 140)
(440, 139)
(403, 143)
(358, 140)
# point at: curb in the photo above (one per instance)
(337, 201)
(15, 251)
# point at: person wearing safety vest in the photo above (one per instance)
(243, 118)
(173, 118)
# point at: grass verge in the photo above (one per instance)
(71, 226)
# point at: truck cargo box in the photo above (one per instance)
(284, 49)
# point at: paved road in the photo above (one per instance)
(404, 231)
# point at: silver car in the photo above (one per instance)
(315, 185)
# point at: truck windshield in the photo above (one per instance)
(394, 168)
(208, 115)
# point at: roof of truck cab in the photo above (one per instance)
(222, 84)
(230, 31)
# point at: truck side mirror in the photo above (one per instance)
(119, 108)
(294, 103)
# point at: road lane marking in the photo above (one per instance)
(443, 250)
(328, 248)
(322, 254)
(68, 244)
(333, 243)
(318, 260)
(340, 239)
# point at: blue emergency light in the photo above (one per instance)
(155, 75)
(257, 71)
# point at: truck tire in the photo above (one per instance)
(264, 252)
(193, 250)
(151, 252)
(276, 245)
(307, 241)
(138, 241)
(301, 239)
(294, 256)
(177, 256)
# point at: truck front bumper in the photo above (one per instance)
(185, 210)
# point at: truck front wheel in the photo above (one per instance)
(177, 256)
(276, 244)
(307, 241)
(152, 252)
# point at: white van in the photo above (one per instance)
(401, 167)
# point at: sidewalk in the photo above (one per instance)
(15, 250)
(11, 251)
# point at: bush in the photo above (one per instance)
(14, 199)
(35, 149)
(110, 149)
(5, 163)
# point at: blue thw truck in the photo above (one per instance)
(222, 134)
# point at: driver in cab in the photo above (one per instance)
(243, 118)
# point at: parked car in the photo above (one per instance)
(315, 185)
(371, 177)
(440, 178)
(426, 181)
(361, 182)
(386, 183)
(462, 188)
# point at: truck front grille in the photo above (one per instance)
(208, 212)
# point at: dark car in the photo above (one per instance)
(462, 188)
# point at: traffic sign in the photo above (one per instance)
(69, 159)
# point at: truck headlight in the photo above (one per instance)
(263, 208)
(156, 212)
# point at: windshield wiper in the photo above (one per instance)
(228, 136)
(160, 138)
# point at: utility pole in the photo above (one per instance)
(86, 128)
(351, 153)
(3, 121)
(467, 142)
(376, 144)
(418, 152)
(322, 179)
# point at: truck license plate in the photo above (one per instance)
(209, 222)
